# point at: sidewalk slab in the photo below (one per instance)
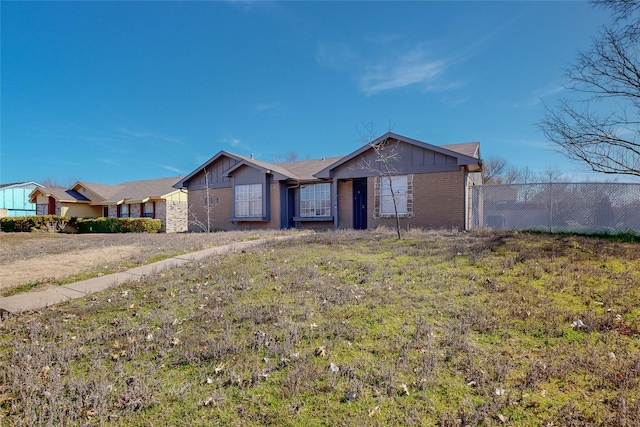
(40, 299)
(35, 300)
(234, 247)
(98, 284)
(156, 267)
(207, 253)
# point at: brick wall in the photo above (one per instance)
(222, 209)
(438, 201)
(176, 216)
(172, 214)
(345, 204)
(134, 210)
(275, 206)
(221, 204)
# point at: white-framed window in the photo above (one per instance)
(124, 211)
(399, 184)
(248, 200)
(315, 200)
(148, 209)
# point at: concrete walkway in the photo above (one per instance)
(40, 299)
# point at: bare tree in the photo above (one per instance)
(386, 155)
(291, 156)
(601, 125)
(525, 175)
(208, 205)
(516, 175)
(552, 174)
(495, 167)
(51, 182)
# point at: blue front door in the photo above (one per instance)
(360, 203)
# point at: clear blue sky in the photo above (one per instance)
(117, 91)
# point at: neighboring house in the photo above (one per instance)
(153, 198)
(14, 199)
(431, 185)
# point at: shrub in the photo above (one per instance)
(141, 225)
(99, 225)
(119, 225)
(8, 225)
(50, 223)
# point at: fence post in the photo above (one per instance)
(551, 207)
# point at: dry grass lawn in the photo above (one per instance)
(339, 328)
(39, 260)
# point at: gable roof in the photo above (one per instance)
(302, 170)
(141, 191)
(59, 194)
(20, 184)
(275, 169)
(471, 149)
(314, 169)
(181, 183)
(99, 191)
(105, 194)
(461, 158)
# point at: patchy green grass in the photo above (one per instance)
(345, 328)
(162, 257)
(23, 288)
(120, 266)
(47, 282)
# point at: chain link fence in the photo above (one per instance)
(557, 207)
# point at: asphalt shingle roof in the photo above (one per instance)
(140, 190)
(470, 149)
(305, 169)
(63, 194)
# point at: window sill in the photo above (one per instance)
(312, 218)
(400, 215)
(249, 219)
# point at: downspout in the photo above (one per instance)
(334, 185)
(465, 181)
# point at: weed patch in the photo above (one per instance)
(345, 328)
